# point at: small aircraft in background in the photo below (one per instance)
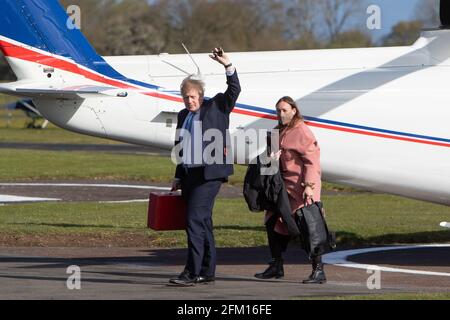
(381, 115)
(28, 107)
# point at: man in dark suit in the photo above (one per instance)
(200, 179)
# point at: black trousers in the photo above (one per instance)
(200, 196)
(277, 242)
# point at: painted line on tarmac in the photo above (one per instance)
(445, 224)
(340, 258)
(124, 201)
(16, 199)
(13, 199)
(123, 186)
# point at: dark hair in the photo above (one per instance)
(297, 117)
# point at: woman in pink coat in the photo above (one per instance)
(300, 168)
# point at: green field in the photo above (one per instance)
(35, 165)
(358, 217)
(359, 220)
(6, 99)
(27, 165)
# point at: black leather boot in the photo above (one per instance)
(318, 274)
(275, 270)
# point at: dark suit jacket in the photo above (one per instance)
(214, 114)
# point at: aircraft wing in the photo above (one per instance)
(39, 90)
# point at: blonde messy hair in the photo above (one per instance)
(193, 81)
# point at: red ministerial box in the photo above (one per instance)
(166, 211)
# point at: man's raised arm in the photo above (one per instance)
(234, 88)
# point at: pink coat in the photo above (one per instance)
(299, 163)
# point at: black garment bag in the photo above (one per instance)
(314, 234)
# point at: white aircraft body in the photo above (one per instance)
(380, 115)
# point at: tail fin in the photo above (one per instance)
(36, 31)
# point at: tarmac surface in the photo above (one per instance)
(95, 191)
(143, 273)
(110, 148)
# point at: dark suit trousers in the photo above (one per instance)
(200, 196)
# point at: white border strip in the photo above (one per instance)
(340, 258)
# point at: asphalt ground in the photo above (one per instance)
(143, 273)
(113, 148)
(95, 191)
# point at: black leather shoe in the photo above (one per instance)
(205, 280)
(184, 280)
(317, 276)
(275, 270)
